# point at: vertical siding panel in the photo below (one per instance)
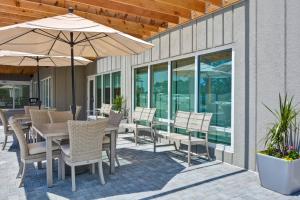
(164, 46)
(218, 30)
(228, 26)
(175, 43)
(201, 34)
(195, 36)
(187, 39)
(140, 58)
(113, 62)
(147, 56)
(209, 32)
(155, 49)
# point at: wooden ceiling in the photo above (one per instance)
(139, 18)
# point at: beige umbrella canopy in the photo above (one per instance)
(15, 58)
(69, 35)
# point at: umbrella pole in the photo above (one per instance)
(38, 83)
(73, 106)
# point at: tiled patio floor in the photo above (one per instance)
(142, 175)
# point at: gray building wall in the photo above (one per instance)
(221, 30)
(61, 80)
(274, 49)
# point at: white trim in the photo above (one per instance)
(169, 90)
(196, 85)
(232, 98)
(110, 89)
(149, 86)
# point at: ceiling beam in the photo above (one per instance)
(125, 26)
(196, 5)
(25, 70)
(128, 10)
(155, 5)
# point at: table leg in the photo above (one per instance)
(112, 151)
(49, 161)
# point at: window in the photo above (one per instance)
(141, 87)
(46, 92)
(183, 85)
(22, 94)
(14, 96)
(106, 86)
(215, 78)
(159, 90)
(116, 84)
(99, 91)
(6, 96)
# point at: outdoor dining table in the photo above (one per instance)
(58, 131)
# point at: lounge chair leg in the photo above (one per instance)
(4, 144)
(23, 175)
(189, 154)
(93, 168)
(100, 170)
(73, 178)
(136, 136)
(117, 160)
(63, 170)
(59, 164)
(207, 150)
(20, 169)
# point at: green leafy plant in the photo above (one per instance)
(282, 139)
(118, 102)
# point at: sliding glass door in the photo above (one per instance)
(106, 88)
(99, 91)
(141, 87)
(159, 90)
(116, 84)
(183, 85)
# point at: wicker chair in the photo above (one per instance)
(6, 127)
(86, 138)
(60, 116)
(114, 120)
(31, 153)
(38, 117)
(27, 108)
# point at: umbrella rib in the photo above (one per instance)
(32, 30)
(91, 45)
(52, 36)
(90, 38)
(121, 44)
(67, 40)
(22, 60)
(77, 37)
(52, 61)
(54, 43)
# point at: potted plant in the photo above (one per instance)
(118, 103)
(279, 164)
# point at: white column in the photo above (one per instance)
(169, 91)
(196, 98)
(149, 86)
(111, 100)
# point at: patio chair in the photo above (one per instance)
(190, 122)
(31, 153)
(104, 111)
(114, 120)
(142, 120)
(6, 127)
(38, 117)
(27, 108)
(86, 138)
(60, 116)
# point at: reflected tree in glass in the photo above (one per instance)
(141, 87)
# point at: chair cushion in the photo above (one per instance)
(66, 149)
(39, 147)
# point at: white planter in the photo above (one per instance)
(279, 175)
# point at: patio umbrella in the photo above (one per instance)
(60, 35)
(15, 58)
